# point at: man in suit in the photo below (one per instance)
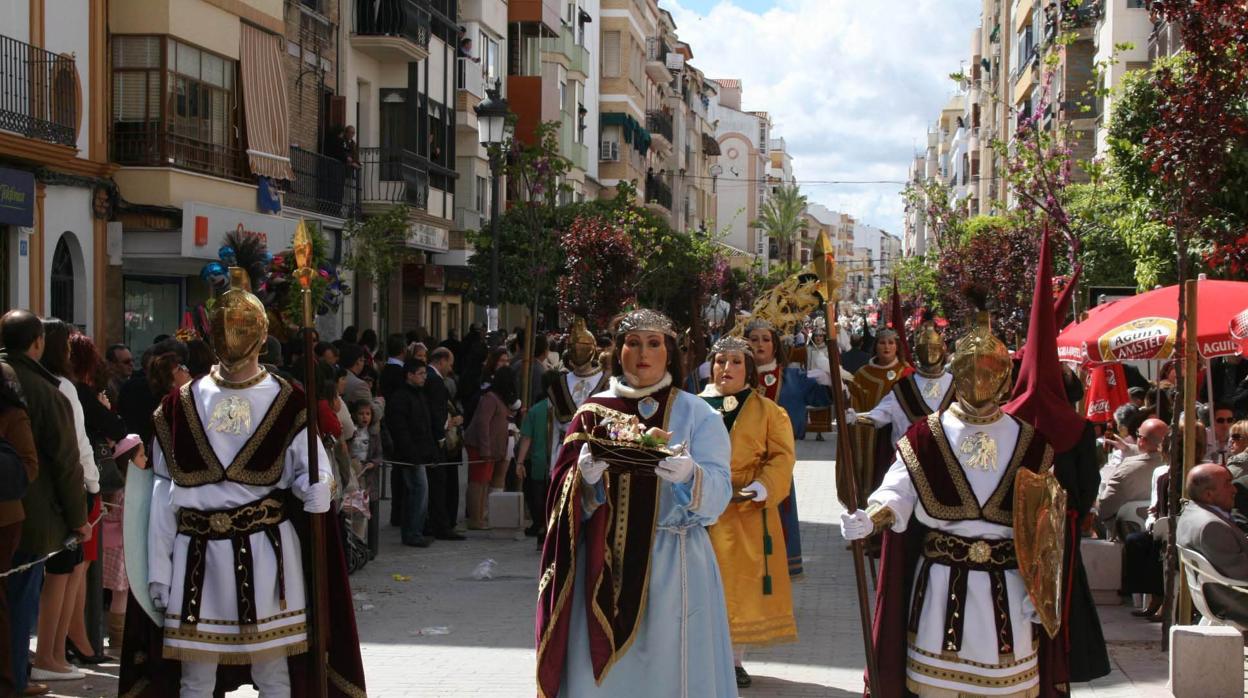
(392, 376)
(1207, 528)
(1132, 479)
(443, 480)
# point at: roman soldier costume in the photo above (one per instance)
(583, 376)
(928, 389)
(873, 449)
(969, 594)
(224, 581)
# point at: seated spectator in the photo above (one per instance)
(1131, 479)
(1206, 527)
(1218, 436)
(1237, 463)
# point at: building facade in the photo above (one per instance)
(742, 182)
(58, 252)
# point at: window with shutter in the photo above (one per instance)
(611, 54)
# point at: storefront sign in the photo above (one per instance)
(458, 279)
(204, 228)
(17, 197)
(426, 237)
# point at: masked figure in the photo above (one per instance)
(957, 599)
(928, 389)
(226, 538)
(873, 448)
(583, 376)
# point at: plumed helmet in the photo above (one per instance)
(239, 322)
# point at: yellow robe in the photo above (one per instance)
(871, 383)
(762, 449)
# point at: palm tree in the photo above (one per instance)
(781, 217)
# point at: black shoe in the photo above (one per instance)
(743, 678)
(420, 542)
(451, 535)
(73, 656)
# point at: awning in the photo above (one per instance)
(264, 103)
(710, 146)
(634, 132)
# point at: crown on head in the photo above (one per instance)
(730, 343)
(645, 320)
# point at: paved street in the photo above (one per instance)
(430, 629)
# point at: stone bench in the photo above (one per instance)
(1102, 560)
(1206, 661)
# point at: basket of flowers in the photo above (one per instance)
(625, 444)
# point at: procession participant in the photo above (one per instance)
(873, 448)
(227, 538)
(630, 600)
(947, 506)
(582, 376)
(818, 419)
(794, 389)
(928, 389)
(760, 603)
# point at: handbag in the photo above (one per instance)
(12, 473)
(111, 479)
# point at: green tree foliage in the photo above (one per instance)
(781, 217)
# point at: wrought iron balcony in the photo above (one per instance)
(658, 192)
(392, 31)
(660, 124)
(38, 92)
(322, 185)
(152, 144)
(392, 176)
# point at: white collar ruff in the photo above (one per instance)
(767, 368)
(624, 390)
(711, 390)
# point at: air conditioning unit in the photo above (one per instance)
(609, 151)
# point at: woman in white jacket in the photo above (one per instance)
(65, 571)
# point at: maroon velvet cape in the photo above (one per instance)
(145, 673)
(899, 560)
(612, 616)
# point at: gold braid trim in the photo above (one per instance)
(992, 508)
(183, 654)
(341, 683)
(881, 516)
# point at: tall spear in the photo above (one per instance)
(825, 267)
(317, 611)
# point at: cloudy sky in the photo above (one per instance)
(850, 85)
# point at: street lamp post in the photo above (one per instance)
(493, 132)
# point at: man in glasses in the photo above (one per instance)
(1218, 443)
(120, 365)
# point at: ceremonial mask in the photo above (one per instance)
(929, 347)
(981, 366)
(239, 323)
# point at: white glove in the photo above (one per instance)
(1029, 610)
(590, 467)
(316, 499)
(820, 376)
(856, 526)
(160, 594)
(760, 491)
(675, 469)
(851, 417)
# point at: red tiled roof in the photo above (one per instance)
(730, 83)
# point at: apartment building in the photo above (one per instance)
(780, 174)
(635, 131)
(914, 236)
(742, 182)
(1120, 23)
(686, 169)
(57, 250)
(399, 84)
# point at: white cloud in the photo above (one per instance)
(851, 86)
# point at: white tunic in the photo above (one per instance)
(889, 410)
(976, 669)
(218, 636)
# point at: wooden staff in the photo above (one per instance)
(825, 267)
(317, 608)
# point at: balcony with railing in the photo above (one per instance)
(153, 144)
(565, 45)
(389, 177)
(659, 124)
(395, 31)
(469, 77)
(38, 93)
(321, 185)
(658, 192)
(656, 60)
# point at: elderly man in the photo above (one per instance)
(1132, 479)
(1206, 527)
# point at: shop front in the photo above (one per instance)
(161, 264)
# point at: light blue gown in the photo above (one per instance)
(682, 648)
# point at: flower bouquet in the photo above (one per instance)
(625, 443)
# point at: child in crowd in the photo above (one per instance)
(533, 457)
(128, 451)
(365, 457)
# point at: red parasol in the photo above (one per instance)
(1143, 327)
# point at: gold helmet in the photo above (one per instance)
(240, 323)
(929, 347)
(581, 356)
(981, 366)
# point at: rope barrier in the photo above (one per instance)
(71, 543)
